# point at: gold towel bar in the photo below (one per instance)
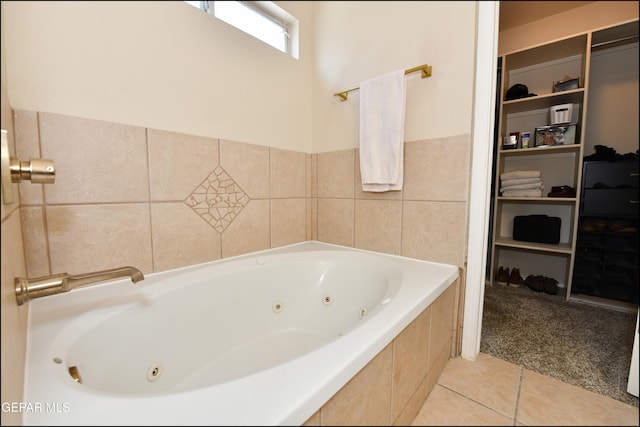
(426, 72)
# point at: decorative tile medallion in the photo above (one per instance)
(218, 199)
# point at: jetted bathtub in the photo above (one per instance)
(260, 339)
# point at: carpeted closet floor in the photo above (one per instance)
(580, 344)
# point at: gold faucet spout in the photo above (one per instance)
(27, 289)
(75, 281)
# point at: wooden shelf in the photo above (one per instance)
(547, 149)
(574, 96)
(539, 200)
(560, 248)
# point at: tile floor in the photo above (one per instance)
(492, 392)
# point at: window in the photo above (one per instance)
(261, 19)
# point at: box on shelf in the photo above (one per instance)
(555, 135)
(537, 228)
(568, 84)
(510, 142)
(560, 114)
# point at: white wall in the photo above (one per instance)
(160, 64)
(167, 65)
(355, 41)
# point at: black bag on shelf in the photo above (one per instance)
(536, 228)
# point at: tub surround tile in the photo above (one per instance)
(456, 344)
(313, 220)
(34, 236)
(413, 406)
(156, 165)
(288, 223)
(434, 231)
(336, 174)
(544, 401)
(378, 225)
(441, 324)
(288, 173)
(489, 381)
(438, 363)
(27, 139)
(433, 218)
(365, 399)
(314, 175)
(218, 199)
(309, 175)
(174, 225)
(86, 238)
(167, 167)
(248, 164)
(410, 360)
(249, 232)
(178, 163)
(437, 169)
(336, 221)
(108, 158)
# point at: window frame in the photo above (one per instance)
(265, 10)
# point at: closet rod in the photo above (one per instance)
(426, 72)
(623, 39)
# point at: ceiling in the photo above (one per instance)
(516, 13)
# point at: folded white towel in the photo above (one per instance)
(520, 174)
(535, 185)
(519, 181)
(382, 112)
(522, 193)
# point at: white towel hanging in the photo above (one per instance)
(382, 113)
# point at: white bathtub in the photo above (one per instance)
(260, 339)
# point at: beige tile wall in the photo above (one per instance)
(154, 199)
(160, 200)
(425, 220)
(393, 386)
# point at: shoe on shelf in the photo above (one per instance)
(562, 191)
(536, 283)
(515, 279)
(622, 226)
(600, 224)
(502, 278)
(586, 225)
(550, 286)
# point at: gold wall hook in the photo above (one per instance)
(38, 171)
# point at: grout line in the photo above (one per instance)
(478, 403)
(520, 381)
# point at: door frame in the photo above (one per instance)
(487, 19)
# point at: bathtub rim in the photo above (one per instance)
(322, 385)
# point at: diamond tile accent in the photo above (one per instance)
(218, 199)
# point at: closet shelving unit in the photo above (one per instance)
(538, 67)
